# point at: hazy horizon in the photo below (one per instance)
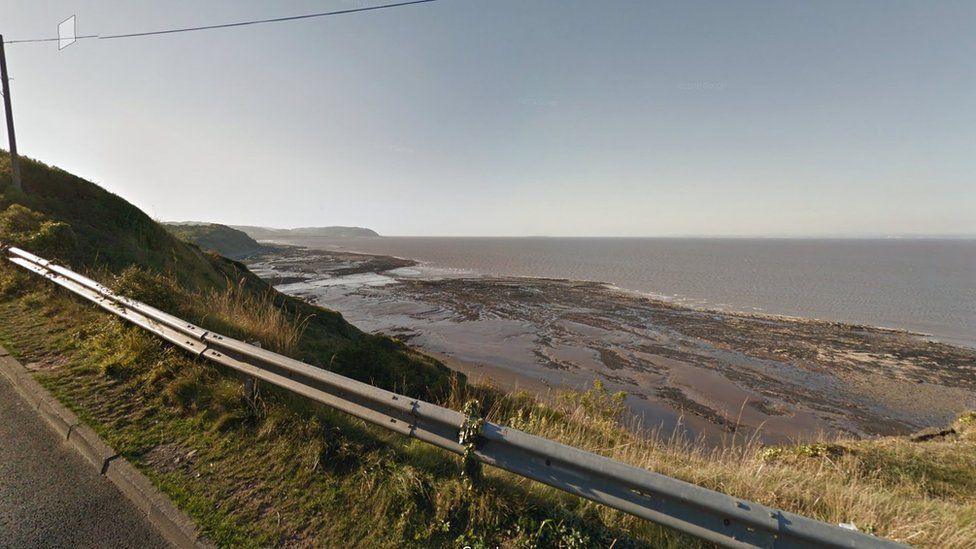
(878, 236)
(546, 118)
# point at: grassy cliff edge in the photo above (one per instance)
(215, 237)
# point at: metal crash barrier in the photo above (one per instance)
(700, 512)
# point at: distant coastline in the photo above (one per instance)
(261, 233)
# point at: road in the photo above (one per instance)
(51, 497)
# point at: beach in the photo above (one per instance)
(706, 373)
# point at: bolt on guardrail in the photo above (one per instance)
(686, 507)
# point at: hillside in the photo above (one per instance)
(265, 233)
(61, 216)
(218, 238)
(259, 467)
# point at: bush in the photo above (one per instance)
(154, 289)
(18, 221)
(22, 227)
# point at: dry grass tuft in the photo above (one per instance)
(257, 315)
(921, 493)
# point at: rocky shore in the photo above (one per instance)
(707, 373)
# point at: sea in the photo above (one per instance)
(926, 286)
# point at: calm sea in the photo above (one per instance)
(927, 286)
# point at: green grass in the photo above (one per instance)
(65, 218)
(265, 468)
(269, 469)
(218, 238)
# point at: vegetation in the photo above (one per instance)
(63, 217)
(329, 232)
(259, 467)
(218, 238)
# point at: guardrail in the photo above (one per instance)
(704, 513)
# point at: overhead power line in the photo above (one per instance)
(229, 25)
(47, 39)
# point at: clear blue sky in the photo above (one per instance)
(506, 117)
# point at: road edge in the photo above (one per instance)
(174, 525)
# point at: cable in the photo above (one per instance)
(228, 25)
(261, 21)
(47, 39)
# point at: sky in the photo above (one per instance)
(516, 117)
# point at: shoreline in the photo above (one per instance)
(708, 371)
(660, 297)
(653, 296)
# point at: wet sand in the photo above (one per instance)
(711, 373)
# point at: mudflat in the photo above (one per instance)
(707, 373)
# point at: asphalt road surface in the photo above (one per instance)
(51, 497)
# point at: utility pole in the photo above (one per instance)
(8, 108)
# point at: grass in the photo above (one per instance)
(65, 218)
(264, 468)
(255, 466)
(257, 314)
(222, 239)
(259, 468)
(919, 493)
